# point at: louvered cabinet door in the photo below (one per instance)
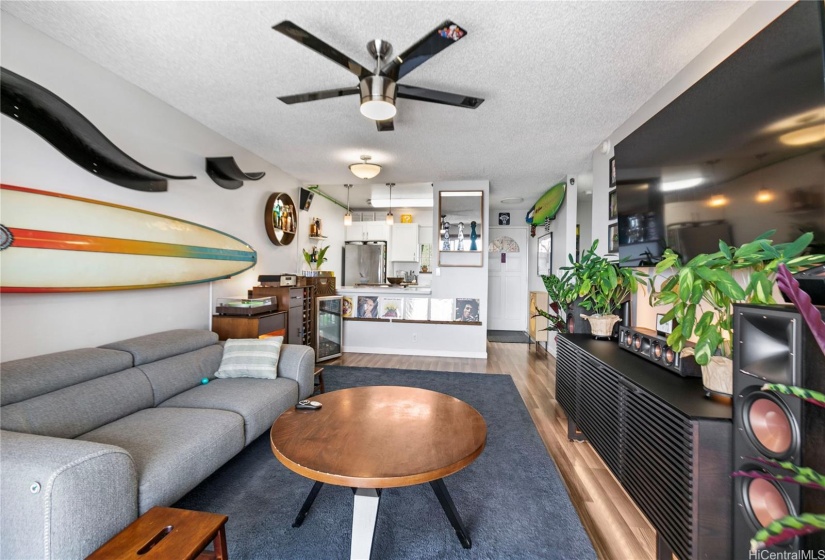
(598, 411)
(657, 466)
(566, 376)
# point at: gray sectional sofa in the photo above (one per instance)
(92, 438)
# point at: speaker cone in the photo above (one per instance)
(637, 341)
(571, 323)
(764, 501)
(769, 424)
(657, 350)
(628, 339)
(670, 355)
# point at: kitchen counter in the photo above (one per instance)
(386, 289)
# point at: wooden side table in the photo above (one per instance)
(165, 532)
(319, 381)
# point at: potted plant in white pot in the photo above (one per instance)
(603, 286)
(703, 290)
(315, 259)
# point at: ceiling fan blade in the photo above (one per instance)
(427, 47)
(385, 126)
(311, 41)
(316, 95)
(435, 96)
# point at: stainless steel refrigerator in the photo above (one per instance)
(365, 262)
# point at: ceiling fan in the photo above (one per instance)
(379, 88)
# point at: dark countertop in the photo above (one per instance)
(685, 394)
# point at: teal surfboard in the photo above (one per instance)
(548, 205)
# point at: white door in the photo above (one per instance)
(507, 301)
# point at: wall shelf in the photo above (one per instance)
(224, 171)
(276, 205)
(74, 136)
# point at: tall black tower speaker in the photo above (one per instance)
(774, 345)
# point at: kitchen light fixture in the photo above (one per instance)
(378, 98)
(365, 170)
(668, 186)
(512, 200)
(764, 195)
(390, 219)
(718, 200)
(348, 215)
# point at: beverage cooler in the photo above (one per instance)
(329, 328)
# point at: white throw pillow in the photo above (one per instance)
(250, 357)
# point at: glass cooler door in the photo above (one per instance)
(329, 328)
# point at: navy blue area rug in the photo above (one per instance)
(511, 499)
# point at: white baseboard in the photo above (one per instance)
(414, 352)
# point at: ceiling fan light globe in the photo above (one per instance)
(378, 98)
(378, 110)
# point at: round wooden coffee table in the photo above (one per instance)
(370, 438)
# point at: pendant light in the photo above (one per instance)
(390, 219)
(348, 215)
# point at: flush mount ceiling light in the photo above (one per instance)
(365, 170)
(512, 200)
(803, 136)
(668, 186)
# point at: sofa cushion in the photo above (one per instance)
(250, 357)
(259, 401)
(75, 410)
(174, 375)
(154, 347)
(174, 449)
(30, 377)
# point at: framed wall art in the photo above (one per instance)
(613, 207)
(613, 238)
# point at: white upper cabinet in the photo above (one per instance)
(404, 245)
(368, 231)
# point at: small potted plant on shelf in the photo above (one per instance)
(315, 259)
(603, 286)
(703, 290)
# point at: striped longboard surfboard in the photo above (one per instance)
(52, 242)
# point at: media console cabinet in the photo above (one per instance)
(668, 445)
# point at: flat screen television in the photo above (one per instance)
(740, 152)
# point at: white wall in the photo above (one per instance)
(158, 136)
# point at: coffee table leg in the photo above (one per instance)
(307, 504)
(364, 514)
(447, 504)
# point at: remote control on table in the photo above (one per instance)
(308, 405)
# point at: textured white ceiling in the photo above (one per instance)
(557, 78)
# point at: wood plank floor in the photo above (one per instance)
(618, 530)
